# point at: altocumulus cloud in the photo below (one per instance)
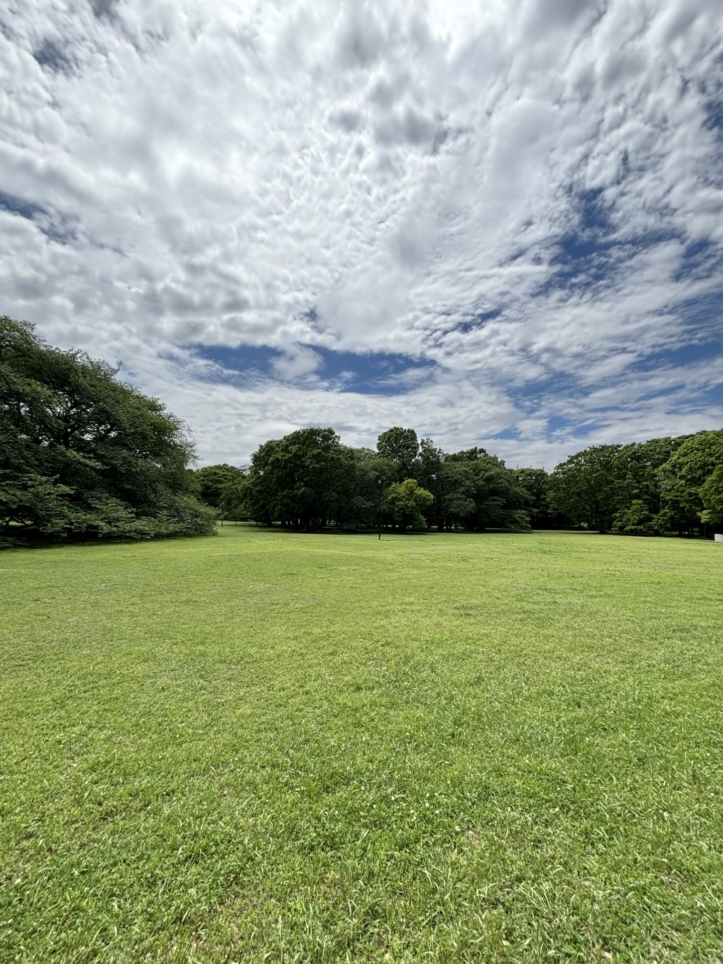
(500, 223)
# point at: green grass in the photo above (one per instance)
(278, 747)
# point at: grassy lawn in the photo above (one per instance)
(276, 747)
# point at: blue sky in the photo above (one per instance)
(498, 223)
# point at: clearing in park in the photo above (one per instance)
(277, 747)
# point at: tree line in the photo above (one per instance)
(310, 480)
(84, 455)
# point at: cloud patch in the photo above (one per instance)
(519, 203)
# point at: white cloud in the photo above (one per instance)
(208, 174)
(296, 362)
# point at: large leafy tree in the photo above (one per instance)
(233, 502)
(454, 495)
(637, 520)
(426, 470)
(637, 469)
(82, 453)
(476, 454)
(399, 446)
(684, 475)
(214, 479)
(429, 459)
(711, 494)
(586, 488)
(405, 504)
(303, 480)
(477, 492)
(373, 476)
(536, 483)
(481, 494)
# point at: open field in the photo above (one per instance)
(277, 747)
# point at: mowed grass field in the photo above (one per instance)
(265, 746)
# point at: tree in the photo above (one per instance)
(455, 491)
(82, 453)
(303, 480)
(400, 447)
(213, 479)
(536, 483)
(475, 454)
(373, 476)
(711, 494)
(478, 492)
(586, 487)
(426, 470)
(637, 520)
(684, 475)
(406, 502)
(637, 469)
(233, 502)
(486, 496)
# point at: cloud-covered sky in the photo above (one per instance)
(500, 223)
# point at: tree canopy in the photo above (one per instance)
(309, 480)
(406, 502)
(301, 480)
(584, 488)
(644, 488)
(83, 454)
(399, 446)
(711, 494)
(214, 480)
(685, 474)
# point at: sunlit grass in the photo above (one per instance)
(278, 747)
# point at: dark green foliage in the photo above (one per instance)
(233, 503)
(475, 454)
(82, 454)
(213, 479)
(308, 480)
(637, 520)
(536, 484)
(586, 488)
(454, 495)
(472, 489)
(303, 480)
(223, 487)
(683, 476)
(426, 470)
(399, 446)
(481, 494)
(637, 469)
(373, 476)
(711, 494)
(426, 466)
(639, 489)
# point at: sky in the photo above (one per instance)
(499, 223)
